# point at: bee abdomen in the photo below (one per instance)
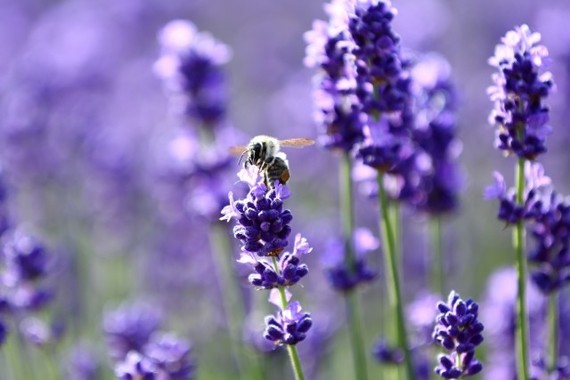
(276, 170)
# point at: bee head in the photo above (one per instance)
(256, 154)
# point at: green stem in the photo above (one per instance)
(12, 360)
(393, 281)
(291, 348)
(51, 369)
(519, 246)
(554, 330)
(231, 296)
(438, 271)
(351, 299)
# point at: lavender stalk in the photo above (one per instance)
(521, 119)
(518, 241)
(393, 277)
(351, 300)
(553, 319)
(262, 227)
(458, 330)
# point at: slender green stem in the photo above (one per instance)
(351, 299)
(438, 271)
(229, 284)
(347, 209)
(13, 363)
(356, 341)
(393, 284)
(519, 246)
(51, 369)
(291, 349)
(554, 328)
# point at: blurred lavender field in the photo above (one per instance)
(102, 190)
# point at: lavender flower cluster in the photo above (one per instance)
(402, 108)
(140, 351)
(262, 227)
(24, 266)
(518, 94)
(458, 330)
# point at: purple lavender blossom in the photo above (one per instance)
(509, 211)
(338, 109)
(129, 328)
(136, 367)
(458, 330)
(26, 264)
(342, 276)
(437, 182)
(262, 223)
(290, 326)
(262, 226)
(386, 354)
(383, 86)
(547, 216)
(550, 231)
(171, 356)
(518, 94)
(190, 66)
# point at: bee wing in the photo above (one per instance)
(237, 150)
(297, 143)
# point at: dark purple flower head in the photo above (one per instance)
(26, 264)
(382, 86)
(262, 227)
(262, 223)
(136, 367)
(338, 109)
(536, 183)
(386, 354)
(290, 326)
(521, 85)
(437, 182)
(171, 356)
(129, 328)
(26, 260)
(547, 216)
(549, 225)
(190, 66)
(342, 276)
(458, 330)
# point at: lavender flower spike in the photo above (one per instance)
(459, 331)
(262, 226)
(290, 326)
(520, 86)
(262, 223)
(190, 67)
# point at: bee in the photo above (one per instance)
(265, 153)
